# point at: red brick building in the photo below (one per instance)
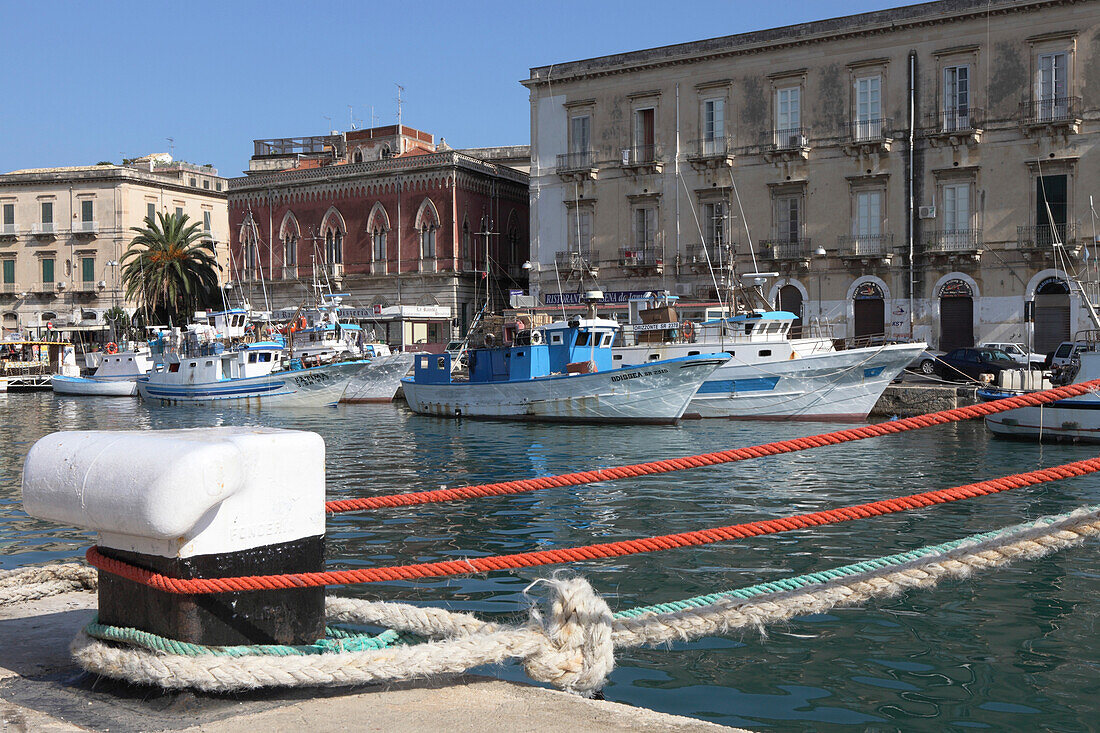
(383, 214)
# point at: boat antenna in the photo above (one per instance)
(561, 298)
(706, 253)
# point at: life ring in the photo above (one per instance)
(687, 330)
(536, 337)
(111, 348)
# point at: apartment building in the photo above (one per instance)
(63, 232)
(385, 215)
(922, 172)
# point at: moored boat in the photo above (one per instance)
(116, 376)
(560, 372)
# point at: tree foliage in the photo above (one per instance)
(170, 268)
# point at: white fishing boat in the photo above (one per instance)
(194, 366)
(559, 372)
(1072, 419)
(116, 375)
(769, 375)
(380, 379)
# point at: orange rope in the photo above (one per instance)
(711, 459)
(589, 552)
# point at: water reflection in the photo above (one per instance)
(1000, 650)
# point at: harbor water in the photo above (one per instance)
(1012, 650)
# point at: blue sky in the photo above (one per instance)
(90, 81)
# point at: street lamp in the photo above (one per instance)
(819, 253)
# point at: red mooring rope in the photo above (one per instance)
(589, 552)
(711, 459)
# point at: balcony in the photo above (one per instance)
(44, 229)
(1051, 115)
(643, 159)
(712, 152)
(569, 261)
(867, 137)
(866, 247)
(786, 250)
(50, 288)
(85, 227)
(953, 242)
(632, 258)
(719, 256)
(8, 231)
(86, 286)
(335, 270)
(787, 144)
(1047, 237)
(960, 126)
(9, 288)
(577, 166)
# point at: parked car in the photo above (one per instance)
(1066, 352)
(1017, 352)
(925, 363)
(973, 363)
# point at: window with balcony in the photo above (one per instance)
(207, 221)
(957, 233)
(788, 219)
(956, 98)
(46, 208)
(867, 222)
(179, 212)
(9, 275)
(716, 224)
(1052, 209)
(580, 233)
(87, 211)
(714, 127)
(580, 135)
(645, 236)
(47, 270)
(788, 118)
(87, 269)
(956, 207)
(334, 247)
(868, 108)
(1052, 87)
(151, 212)
(8, 220)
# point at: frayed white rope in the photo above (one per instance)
(574, 648)
(42, 581)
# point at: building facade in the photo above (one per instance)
(386, 216)
(924, 172)
(63, 232)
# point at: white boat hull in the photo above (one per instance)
(379, 381)
(836, 385)
(94, 387)
(654, 393)
(1073, 420)
(313, 387)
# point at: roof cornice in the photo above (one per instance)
(850, 26)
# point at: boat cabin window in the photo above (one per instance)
(555, 338)
(441, 363)
(582, 338)
(252, 358)
(174, 367)
(265, 357)
(748, 328)
(209, 363)
(617, 357)
(192, 365)
(129, 358)
(654, 357)
(519, 353)
(607, 339)
(693, 353)
(765, 352)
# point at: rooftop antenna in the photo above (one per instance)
(351, 117)
(329, 120)
(171, 145)
(400, 89)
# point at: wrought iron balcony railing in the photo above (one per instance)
(711, 147)
(568, 261)
(576, 161)
(786, 249)
(866, 130)
(638, 257)
(954, 121)
(790, 138)
(9, 288)
(642, 155)
(1046, 235)
(953, 240)
(85, 227)
(865, 245)
(1047, 110)
(8, 230)
(44, 227)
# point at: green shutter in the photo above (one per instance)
(9, 272)
(87, 266)
(47, 271)
(86, 211)
(9, 213)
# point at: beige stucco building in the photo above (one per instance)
(906, 172)
(64, 230)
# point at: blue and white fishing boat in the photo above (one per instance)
(770, 375)
(559, 372)
(194, 366)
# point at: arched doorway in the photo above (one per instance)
(956, 315)
(789, 298)
(870, 310)
(1052, 314)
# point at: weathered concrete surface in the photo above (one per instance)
(41, 689)
(906, 400)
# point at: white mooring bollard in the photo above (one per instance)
(200, 503)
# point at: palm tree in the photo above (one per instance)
(170, 267)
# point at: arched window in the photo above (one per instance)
(378, 224)
(358, 155)
(289, 234)
(333, 228)
(514, 255)
(250, 251)
(427, 223)
(464, 247)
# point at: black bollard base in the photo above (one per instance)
(292, 616)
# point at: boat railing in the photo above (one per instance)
(1089, 336)
(860, 342)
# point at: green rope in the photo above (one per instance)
(338, 639)
(824, 576)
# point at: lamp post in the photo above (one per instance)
(819, 254)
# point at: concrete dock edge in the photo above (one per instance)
(42, 689)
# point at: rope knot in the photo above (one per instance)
(577, 653)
